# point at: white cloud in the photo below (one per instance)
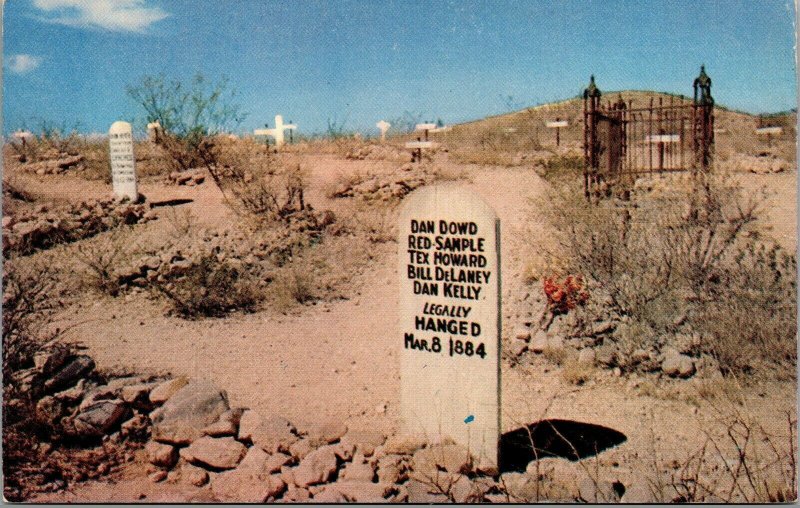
(22, 63)
(114, 15)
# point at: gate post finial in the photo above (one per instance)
(591, 90)
(703, 84)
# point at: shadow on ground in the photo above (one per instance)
(170, 202)
(554, 438)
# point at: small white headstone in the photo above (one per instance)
(383, 126)
(663, 138)
(449, 335)
(277, 132)
(123, 164)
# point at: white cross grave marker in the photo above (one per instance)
(277, 132)
(449, 330)
(123, 164)
(383, 126)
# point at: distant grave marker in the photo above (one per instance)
(418, 145)
(123, 164)
(449, 266)
(383, 126)
(153, 131)
(277, 132)
(558, 124)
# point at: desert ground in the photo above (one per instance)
(319, 344)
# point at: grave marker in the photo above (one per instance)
(277, 132)
(153, 130)
(383, 126)
(123, 164)
(557, 125)
(449, 330)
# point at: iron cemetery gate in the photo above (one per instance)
(622, 142)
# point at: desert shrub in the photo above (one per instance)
(187, 112)
(496, 148)
(750, 316)
(29, 298)
(103, 255)
(180, 220)
(561, 167)
(210, 288)
(575, 372)
(688, 250)
(255, 183)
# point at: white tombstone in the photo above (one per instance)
(383, 126)
(449, 330)
(277, 132)
(123, 164)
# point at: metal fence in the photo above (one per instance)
(623, 141)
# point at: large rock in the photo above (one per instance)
(245, 487)
(539, 342)
(167, 389)
(181, 419)
(273, 434)
(317, 467)
(99, 418)
(219, 453)
(70, 373)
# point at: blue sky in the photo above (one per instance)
(358, 61)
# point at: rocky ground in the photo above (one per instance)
(303, 405)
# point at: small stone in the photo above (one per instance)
(100, 417)
(522, 333)
(586, 356)
(276, 461)
(677, 365)
(194, 475)
(357, 472)
(364, 440)
(316, 467)
(539, 342)
(220, 453)
(300, 449)
(452, 458)
(361, 492)
(162, 455)
(327, 433)
(227, 425)
(272, 434)
(518, 347)
(158, 476)
(243, 487)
